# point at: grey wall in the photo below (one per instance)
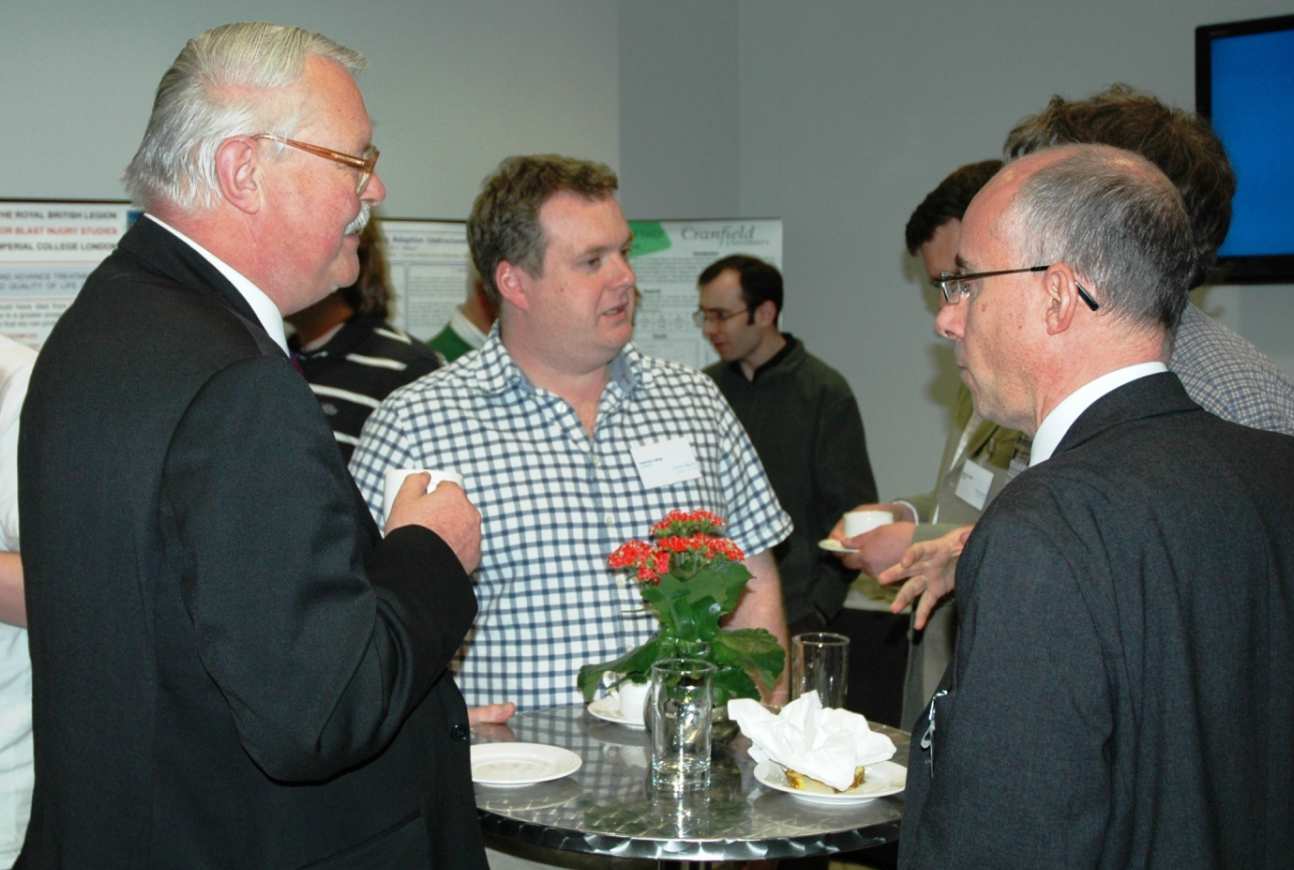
(679, 139)
(835, 115)
(452, 86)
(850, 112)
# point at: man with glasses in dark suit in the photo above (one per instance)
(1119, 691)
(232, 667)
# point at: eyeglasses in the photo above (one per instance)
(956, 286)
(702, 316)
(365, 163)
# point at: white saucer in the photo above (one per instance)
(607, 708)
(883, 778)
(514, 764)
(831, 545)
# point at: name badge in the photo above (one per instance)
(666, 462)
(974, 484)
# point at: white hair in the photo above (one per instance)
(217, 88)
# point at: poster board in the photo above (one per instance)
(47, 250)
(668, 256)
(427, 260)
(49, 247)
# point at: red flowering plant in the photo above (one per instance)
(692, 577)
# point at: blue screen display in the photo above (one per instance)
(1253, 114)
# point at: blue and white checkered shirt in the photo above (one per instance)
(554, 503)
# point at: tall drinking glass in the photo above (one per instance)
(820, 662)
(679, 705)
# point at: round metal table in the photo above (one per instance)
(608, 807)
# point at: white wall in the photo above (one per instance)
(850, 112)
(835, 115)
(678, 120)
(452, 86)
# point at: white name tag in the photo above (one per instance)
(975, 482)
(666, 462)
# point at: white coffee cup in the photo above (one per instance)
(632, 698)
(394, 479)
(857, 522)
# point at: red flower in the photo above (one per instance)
(689, 536)
(685, 523)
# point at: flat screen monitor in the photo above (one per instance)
(1244, 84)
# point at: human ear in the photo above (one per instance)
(237, 174)
(513, 282)
(1061, 286)
(765, 313)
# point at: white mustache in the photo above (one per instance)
(357, 225)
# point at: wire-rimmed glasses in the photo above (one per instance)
(956, 286)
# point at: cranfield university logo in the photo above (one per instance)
(724, 236)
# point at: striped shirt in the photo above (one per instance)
(357, 368)
(554, 503)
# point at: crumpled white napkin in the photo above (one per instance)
(824, 743)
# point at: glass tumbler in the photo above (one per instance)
(820, 662)
(679, 706)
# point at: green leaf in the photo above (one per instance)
(635, 665)
(733, 682)
(751, 649)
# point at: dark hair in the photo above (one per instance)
(504, 223)
(371, 292)
(1180, 143)
(947, 202)
(760, 281)
(1118, 222)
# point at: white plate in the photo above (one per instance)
(511, 764)
(883, 778)
(607, 708)
(831, 545)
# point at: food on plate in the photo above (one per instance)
(803, 782)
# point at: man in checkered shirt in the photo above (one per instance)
(570, 441)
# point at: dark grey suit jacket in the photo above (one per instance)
(231, 668)
(1122, 691)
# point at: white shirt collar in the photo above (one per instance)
(262, 306)
(466, 329)
(1057, 423)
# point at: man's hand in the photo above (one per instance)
(490, 722)
(930, 569)
(490, 714)
(881, 547)
(445, 511)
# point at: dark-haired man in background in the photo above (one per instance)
(978, 459)
(803, 420)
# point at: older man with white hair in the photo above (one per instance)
(232, 668)
(1119, 694)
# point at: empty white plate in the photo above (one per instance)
(512, 764)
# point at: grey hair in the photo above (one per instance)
(1118, 222)
(215, 89)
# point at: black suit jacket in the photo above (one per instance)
(1121, 691)
(230, 667)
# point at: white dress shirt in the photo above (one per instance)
(1057, 423)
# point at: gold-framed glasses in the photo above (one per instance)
(365, 163)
